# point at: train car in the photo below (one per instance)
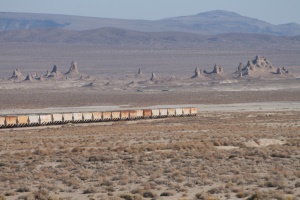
(57, 118)
(23, 120)
(106, 116)
(154, 113)
(77, 117)
(45, 119)
(186, 111)
(11, 121)
(124, 115)
(163, 112)
(171, 112)
(147, 113)
(67, 117)
(97, 116)
(178, 112)
(116, 115)
(87, 116)
(194, 111)
(139, 114)
(132, 114)
(2, 121)
(33, 120)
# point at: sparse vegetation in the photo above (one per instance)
(178, 158)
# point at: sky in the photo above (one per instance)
(272, 11)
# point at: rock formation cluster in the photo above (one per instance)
(282, 70)
(258, 64)
(198, 73)
(17, 75)
(259, 67)
(153, 77)
(55, 74)
(217, 69)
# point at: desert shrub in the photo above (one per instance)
(190, 184)
(93, 159)
(215, 190)
(110, 189)
(23, 189)
(241, 194)
(278, 195)
(200, 196)
(297, 184)
(166, 194)
(41, 194)
(273, 183)
(256, 196)
(10, 193)
(160, 181)
(90, 190)
(131, 197)
(217, 143)
(149, 194)
(78, 150)
(27, 197)
(106, 182)
(281, 155)
(137, 191)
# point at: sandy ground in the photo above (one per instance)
(237, 107)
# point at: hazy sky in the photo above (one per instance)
(272, 11)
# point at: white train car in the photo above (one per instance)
(33, 120)
(171, 112)
(97, 116)
(45, 119)
(57, 118)
(155, 113)
(67, 117)
(163, 112)
(139, 114)
(87, 116)
(116, 115)
(178, 112)
(186, 111)
(77, 117)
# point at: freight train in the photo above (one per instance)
(10, 121)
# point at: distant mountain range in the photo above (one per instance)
(116, 36)
(207, 23)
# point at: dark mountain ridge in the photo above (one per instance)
(207, 23)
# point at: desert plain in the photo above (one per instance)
(243, 144)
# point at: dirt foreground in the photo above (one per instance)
(216, 155)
